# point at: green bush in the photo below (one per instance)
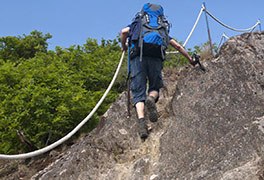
(44, 95)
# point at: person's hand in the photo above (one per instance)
(124, 47)
(192, 61)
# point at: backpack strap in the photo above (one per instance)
(134, 31)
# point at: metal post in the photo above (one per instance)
(259, 26)
(208, 30)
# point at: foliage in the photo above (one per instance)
(45, 94)
(25, 47)
(175, 59)
(205, 51)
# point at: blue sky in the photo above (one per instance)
(72, 22)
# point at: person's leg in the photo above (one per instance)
(138, 88)
(154, 94)
(143, 129)
(152, 109)
(140, 110)
(155, 83)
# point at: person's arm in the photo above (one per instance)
(177, 46)
(124, 34)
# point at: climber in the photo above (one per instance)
(148, 38)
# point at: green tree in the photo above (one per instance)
(23, 47)
(46, 94)
(204, 50)
(175, 59)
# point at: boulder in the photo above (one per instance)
(211, 126)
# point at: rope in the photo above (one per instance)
(194, 26)
(69, 135)
(224, 37)
(231, 28)
(258, 23)
(190, 34)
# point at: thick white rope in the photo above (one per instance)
(257, 23)
(194, 26)
(224, 37)
(231, 28)
(69, 135)
(190, 34)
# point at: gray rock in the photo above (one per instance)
(211, 126)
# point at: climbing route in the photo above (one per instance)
(69, 135)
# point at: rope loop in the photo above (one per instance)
(231, 28)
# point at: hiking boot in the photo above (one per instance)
(143, 129)
(152, 109)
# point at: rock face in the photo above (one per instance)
(217, 130)
(211, 126)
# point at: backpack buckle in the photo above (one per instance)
(159, 20)
(147, 18)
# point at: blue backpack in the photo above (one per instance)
(149, 32)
